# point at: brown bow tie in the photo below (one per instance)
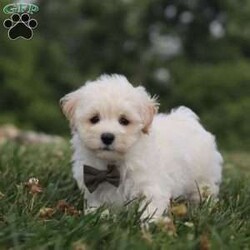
(93, 177)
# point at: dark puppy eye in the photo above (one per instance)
(95, 119)
(124, 121)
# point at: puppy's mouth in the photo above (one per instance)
(111, 150)
(107, 149)
(108, 153)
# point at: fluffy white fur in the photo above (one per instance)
(160, 156)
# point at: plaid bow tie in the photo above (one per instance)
(93, 177)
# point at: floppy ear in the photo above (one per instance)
(148, 114)
(149, 108)
(68, 104)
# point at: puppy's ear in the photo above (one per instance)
(68, 104)
(149, 108)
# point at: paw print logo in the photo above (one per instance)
(20, 26)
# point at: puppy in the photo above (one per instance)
(123, 149)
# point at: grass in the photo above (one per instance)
(23, 225)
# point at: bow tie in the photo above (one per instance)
(93, 177)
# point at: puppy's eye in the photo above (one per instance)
(95, 119)
(124, 121)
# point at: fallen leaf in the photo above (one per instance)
(34, 189)
(179, 210)
(33, 186)
(79, 245)
(66, 208)
(46, 212)
(204, 242)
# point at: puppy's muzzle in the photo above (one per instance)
(107, 138)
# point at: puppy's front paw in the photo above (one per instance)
(151, 214)
(153, 218)
(90, 210)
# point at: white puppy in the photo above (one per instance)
(116, 130)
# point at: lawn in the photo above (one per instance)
(50, 215)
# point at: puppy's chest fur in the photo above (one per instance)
(128, 188)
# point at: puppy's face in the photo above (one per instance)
(109, 126)
(110, 115)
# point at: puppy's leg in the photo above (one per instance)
(155, 204)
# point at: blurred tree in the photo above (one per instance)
(191, 52)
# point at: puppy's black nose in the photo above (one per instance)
(107, 138)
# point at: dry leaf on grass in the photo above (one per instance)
(66, 208)
(46, 212)
(33, 186)
(79, 245)
(179, 210)
(204, 242)
(62, 207)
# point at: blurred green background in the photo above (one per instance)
(193, 53)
